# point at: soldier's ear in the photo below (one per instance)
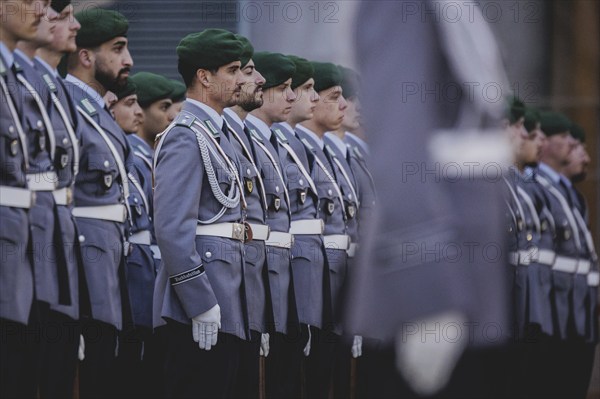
(86, 57)
(204, 77)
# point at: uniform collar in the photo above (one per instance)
(7, 56)
(233, 117)
(552, 174)
(260, 125)
(141, 143)
(566, 181)
(312, 134)
(47, 66)
(25, 58)
(87, 89)
(363, 144)
(214, 115)
(338, 143)
(287, 126)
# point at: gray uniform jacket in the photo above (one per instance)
(308, 263)
(278, 218)
(357, 159)
(197, 272)
(99, 183)
(255, 272)
(332, 210)
(17, 290)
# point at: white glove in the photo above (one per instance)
(307, 347)
(264, 344)
(357, 346)
(81, 351)
(205, 327)
(426, 361)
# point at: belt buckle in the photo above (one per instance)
(238, 231)
(248, 234)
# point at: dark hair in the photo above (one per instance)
(188, 72)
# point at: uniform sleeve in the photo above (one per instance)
(178, 184)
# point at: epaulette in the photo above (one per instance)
(306, 143)
(88, 107)
(330, 150)
(17, 67)
(357, 152)
(212, 128)
(256, 135)
(280, 136)
(2, 67)
(49, 83)
(184, 119)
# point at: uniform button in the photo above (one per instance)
(329, 192)
(135, 200)
(349, 196)
(208, 254)
(81, 238)
(11, 129)
(301, 182)
(39, 124)
(248, 171)
(106, 164)
(65, 141)
(276, 189)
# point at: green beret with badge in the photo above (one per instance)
(577, 132)
(304, 71)
(151, 87)
(99, 26)
(554, 123)
(532, 119)
(248, 51)
(326, 75)
(210, 49)
(179, 91)
(128, 89)
(350, 82)
(274, 67)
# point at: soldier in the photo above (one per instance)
(61, 354)
(101, 63)
(199, 292)
(20, 303)
(334, 208)
(282, 365)
(255, 271)
(178, 95)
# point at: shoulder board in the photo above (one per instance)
(357, 152)
(2, 67)
(184, 119)
(89, 108)
(280, 135)
(256, 135)
(18, 67)
(212, 128)
(49, 82)
(306, 143)
(330, 150)
(142, 150)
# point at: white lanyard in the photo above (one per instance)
(274, 162)
(72, 135)
(532, 210)
(298, 162)
(15, 116)
(347, 178)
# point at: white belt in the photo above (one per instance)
(46, 181)
(155, 252)
(583, 267)
(337, 241)
(593, 279)
(63, 196)
(260, 231)
(226, 230)
(352, 249)
(513, 258)
(16, 197)
(279, 239)
(115, 213)
(307, 226)
(141, 237)
(526, 256)
(565, 264)
(545, 257)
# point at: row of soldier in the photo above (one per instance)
(171, 273)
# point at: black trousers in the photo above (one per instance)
(191, 372)
(59, 360)
(97, 373)
(21, 349)
(247, 384)
(318, 366)
(283, 366)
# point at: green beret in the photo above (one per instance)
(577, 132)
(515, 110)
(276, 68)
(554, 123)
(179, 91)
(350, 82)
(60, 5)
(532, 119)
(210, 49)
(127, 90)
(99, 26)
(304, 71)
(248, 51)
(326, 75)
(151, 87)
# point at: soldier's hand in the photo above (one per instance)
(81, 351)
(357, 346)
(205, 328)
(264, 344)
(307, 347)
